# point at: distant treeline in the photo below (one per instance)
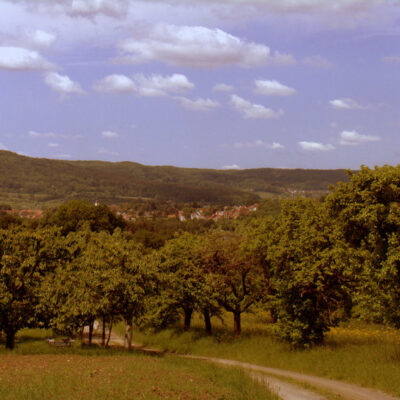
(37, 183)
(309, 263)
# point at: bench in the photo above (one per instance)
(60, 342)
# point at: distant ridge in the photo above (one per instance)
(42, 183)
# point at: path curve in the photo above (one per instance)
(284, 390)
(347, 390)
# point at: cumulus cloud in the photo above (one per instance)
(152, 85)
(109, 134)
(346, 104)
(198, 104)
(253, 111)
(158, 85)
(20, 59)
(115, 84)
(38, 135)
(41, 135)
(107, 152)
(315, 146)
(353, 138)
(233, 166)
(195, 46)
(62, 84)
(42, 38)
(395, 59)
(317, 62)
(258, 143)
(273, 88)
(90, 8)
(222, 87)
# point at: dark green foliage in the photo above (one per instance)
(310, 277)
(40, 182)
(72, 215)
(367, 211)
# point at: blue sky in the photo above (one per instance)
(214, 84)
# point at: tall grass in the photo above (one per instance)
(368, 355)
(36, 371)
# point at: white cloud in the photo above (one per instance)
(233, 166)
(195, 46)
(53, 144)
(317, 62)
(109, 134)
(62, 84)
(395, 59)
(346, 104)
(258, 143)
(90, 8)
(315, 146)
(253, 111)
(222, 87)
(353, 138)
(152, 85)
(273, 88)
(199, 104)
(42, 38)
(2, 147)
(115, 84)
(63, 156)
(37, 135)
(41, 135)
(276, 146)
(107, 152)
(20, 59)
(158, 85)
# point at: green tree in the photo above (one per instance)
(367, 210)
(72, 215)
(236, 279)
(25, 258)
(310, 272)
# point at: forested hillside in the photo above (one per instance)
(41, 183)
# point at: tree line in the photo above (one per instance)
(311, 266)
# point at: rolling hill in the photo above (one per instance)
(42, 183)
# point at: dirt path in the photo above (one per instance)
(285, 390)
(347, 390)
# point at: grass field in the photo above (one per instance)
(365, 354)
(36, 371)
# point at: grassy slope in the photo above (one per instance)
(36, 182)
(359, 353)
(36, 371)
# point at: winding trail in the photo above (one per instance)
(284, 390)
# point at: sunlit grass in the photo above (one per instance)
(365, 354)
(34, 370)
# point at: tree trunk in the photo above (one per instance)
(128, 334)
(81, 334)
(109, 332)
(91, 331)
(274, 317)
(103, 333)
(10, 339)
(237, 329)
(207, 320)
(188, 318)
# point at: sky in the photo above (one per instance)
(226, 84)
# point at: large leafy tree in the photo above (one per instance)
(367, 210)
(73, 215)
(310, 275)
(25, 258)
(235, 277)
(183, 281)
